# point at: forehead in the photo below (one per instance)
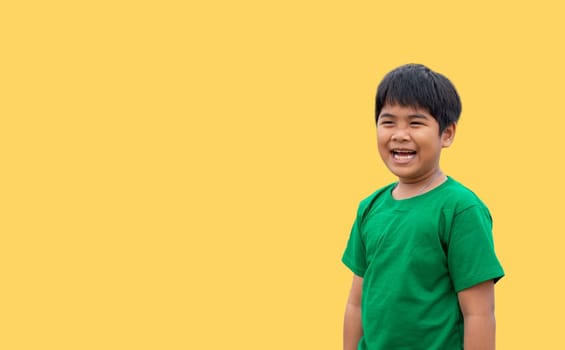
(397, 110)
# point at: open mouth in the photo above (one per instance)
(403, 154)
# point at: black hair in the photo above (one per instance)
(415, 85)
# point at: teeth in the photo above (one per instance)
(403, 154)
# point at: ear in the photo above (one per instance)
(448, 135)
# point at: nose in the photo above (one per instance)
(400, 134)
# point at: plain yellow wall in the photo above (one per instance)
(184, 175)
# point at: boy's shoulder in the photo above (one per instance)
(376, 194)
(461, 194)
(367, 202)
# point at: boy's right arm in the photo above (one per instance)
(352, 329)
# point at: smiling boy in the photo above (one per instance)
(421, 249)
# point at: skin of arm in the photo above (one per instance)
(477, 307)
(352, 328)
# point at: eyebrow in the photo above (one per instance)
(411, 116)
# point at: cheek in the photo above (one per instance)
(382, 149)
(381, 142)
(382, 136)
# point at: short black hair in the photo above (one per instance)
(415, 85)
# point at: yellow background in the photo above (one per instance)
(184, 175)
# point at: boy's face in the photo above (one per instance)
(409, 142)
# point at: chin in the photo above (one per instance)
(407, 176)
(402, 172)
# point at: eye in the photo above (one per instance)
(386, 122)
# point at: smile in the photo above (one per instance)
(402, 154)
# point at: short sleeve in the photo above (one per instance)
(354, 256)
(470, 253)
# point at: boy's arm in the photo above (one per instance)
(352, 329)
(477, 307)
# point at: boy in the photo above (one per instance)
(421, 249)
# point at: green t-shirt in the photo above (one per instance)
(414, 256)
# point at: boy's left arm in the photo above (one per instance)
(477, 307)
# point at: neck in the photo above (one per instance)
(407, 190)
